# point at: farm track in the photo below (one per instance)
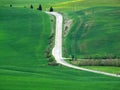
(57, 50)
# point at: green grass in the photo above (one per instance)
(24, 37)
(94, 33)
(109, 69)
(26, 3)
(83, 4)
(60, 5)
(38, 81)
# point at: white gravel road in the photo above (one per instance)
(57, 50)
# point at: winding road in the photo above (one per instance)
(57, 50)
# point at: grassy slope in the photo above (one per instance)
(20, 36)
(110, 69)
(23, 40)
(95, 33)
(76, 5)
(26, 3)
(61, 5)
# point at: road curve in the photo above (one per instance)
(57, 50)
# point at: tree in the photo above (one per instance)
(10, 5)
(51, 9)
(31, 6)
(73, 57)
(40, 7)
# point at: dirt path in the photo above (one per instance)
(57, 50)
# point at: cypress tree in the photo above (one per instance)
(51, 9)
(31, 6)
(40, 7)
(10, 5)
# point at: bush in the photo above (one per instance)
(53, 63)
(10, 5)
(100, 62)
(51, 59)
(31, 6)
(40, 7)
(51, 9)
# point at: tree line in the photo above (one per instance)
(39, 7)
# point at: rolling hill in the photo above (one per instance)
(24, 37)
(95, 33)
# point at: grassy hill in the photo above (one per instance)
(75, 5)
(94, 33)
(26, 3)
(24, 37)
(60, 5)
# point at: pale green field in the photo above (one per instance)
(109, 69)
(61, 5)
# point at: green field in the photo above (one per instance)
(23, 36)
(94, 34)
(75, 5)
(26, 3)
(22, 62)
(109, 69)
(24, 39)
(61, 5)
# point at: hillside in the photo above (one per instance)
(60, 5)
(23, 41)
(46, 4)
(94, 33)
(24, 38)
(21, 33)
(75, 5)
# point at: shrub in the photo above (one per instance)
(53, 63)
(10, 5)
(31, 6)
(100, 62)
(51, 9)
(40, 7)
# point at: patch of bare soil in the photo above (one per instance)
(67, 25)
